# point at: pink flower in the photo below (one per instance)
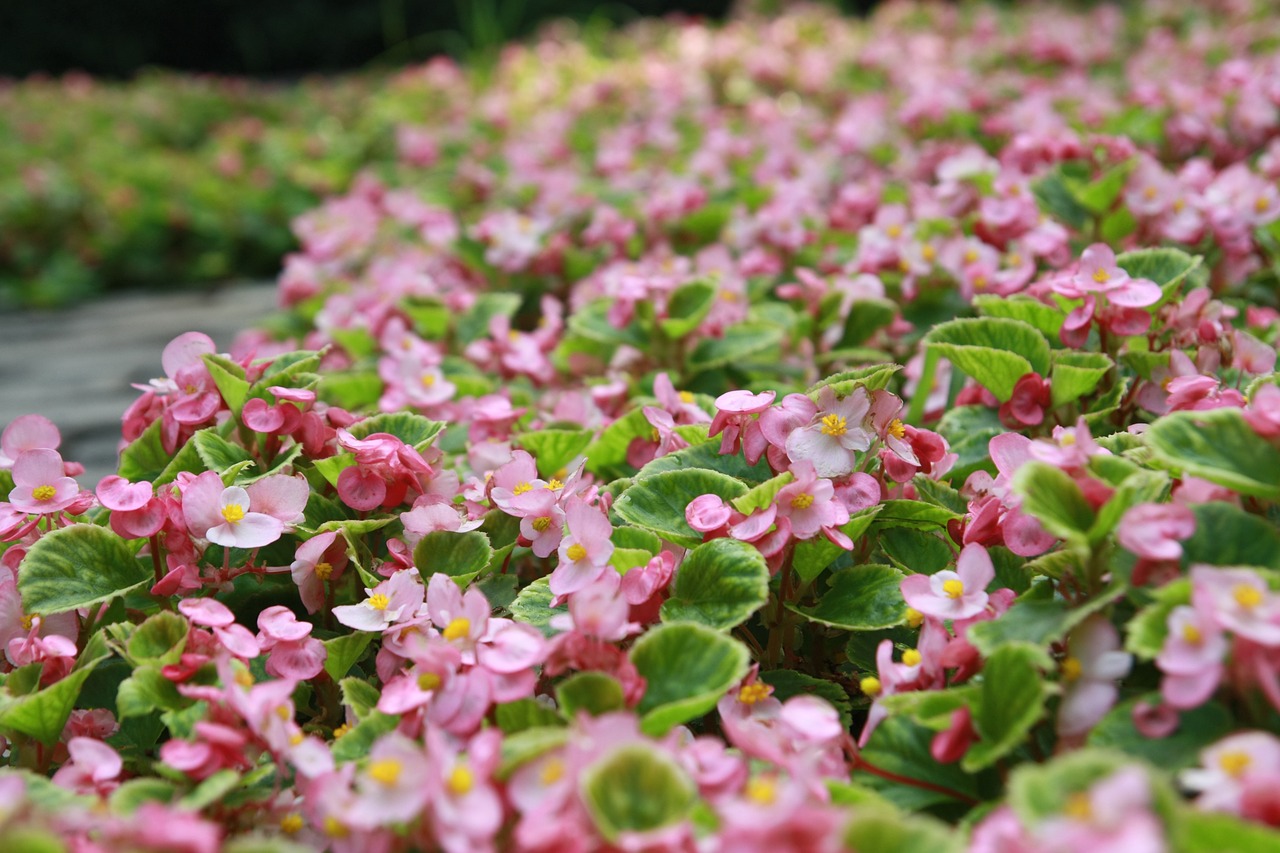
(1155, 531)
(1239, 601)
(835, 435)
(94, 767)
(1093, 664)
(28, 432)
(1191, 658)
(1099, 273)
(40, 484)
(395, 785)
(586, 550)
(735, 423)
(1231, 768)
(598, 610)
(136, 512)
(1113, 816)
(321, 558)
(956, 594)
(394, 600)
(293, 652)
(1027, 405)
(223, 515)
(810, 506)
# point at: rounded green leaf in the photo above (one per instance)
(593, 692)
(1012, 701)
(737, 343)
(1049, 494)
(1219, 446)
(719, 584)
(533, 606)
(78, 566)
(687, 668)
(458, 555)
(860, 598)
(657, 503)
(636, 789)
(995, 351)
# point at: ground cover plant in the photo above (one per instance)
(801, 435)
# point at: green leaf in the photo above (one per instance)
(461, 556)
(474, 324)
(353, 390)
(901, 747)
(1166, 267)
(1099, 195)
(762, 495)
(527, 744)
(77, 566)
(636, 789)
(130, 795)
(1221, 447)
(160, 640)
(1226, 535)
(332, 467)
(687, 307)
(211, 790)
(1041, 791)
(1197, 729)
(706, 455)
(1037, 618)
(524, 714)
(719, 584)
(995, 351)
(355, 744)
(737, 344)
(146, 691)
(917, 514)
(1049, 494)
(887, 830)
(915, 551)
(594, 693)
(230, 379)
(533, 606)
(1012, 701)
(1214, 832)
(1146, 631)
(341, 653)
(860, 598)
(1138, 488)
(145, 457)
(813, 556)
(969, 430)
(591, 321)
(1057, 200)
(687, 668)
(940, 494)
(216, 452)
(430, 316)
(554, 449)
(1076, 375)
(414, 430)
(1046, 318)
(866, 317)
(359, 695)
(788, 682)
(658, 503)
(43, 714)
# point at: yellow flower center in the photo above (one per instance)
(295, 738)
(802, 501)
(428, 379)
(552, 772)
(728, 295)
(894, 231)
(870, 686)
(654, 436)
(1014, 260)
(1178, 204)
(1192, 635)
(1068, 439)
(576, 552)
(911, 657)
(686, 397)
(379, 601)
(461, 780)
(1262, 204)
(953, 588)
(458, 628)
(904, 265)
(282, 711)
(334, 828)
(1078, 806)
(914, 617)
(27, 621)
(291, 823)
(554, 484)
(385, 772)
(1071, 668)
(928, 252)
(428, 681)
(1234, 763)
(752, 693)
(522, 488)
(541, 523)
(244, 678)
(1100, 275)
(979, 282)
(44, 493)
(341, 730)
(323, 570)
(834, 425)
(1149, 193)
(971, 256)
(897, 428)
(762, 790)
(1247, 596)
(233, 513)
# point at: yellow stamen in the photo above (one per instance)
(654, 436)
(1078, 806)
(428, 379)
(1246, 596)
(1100, 275)
(385, 772)
(379, 601)
(1014, 260)
(576, 552)
(1149, 193)
(341, 730)
(904, 265)
(686, 397)
(554, 484)
(334, 828)
(291, 823)
(928, 252)
(1192, 635)
(752, 693)
(971, 256)
(541, 523)
(1262, 204)
(980, 282)
(1234, 763)
(802, 501)
(728, 295)
(552, 772)
(27, 621)
(834, 425)
(461, 780)
(1068, 439)
(513, 336)
(953, 588)
(522, 488)
(282, 711)
(1178, 204)
(897, 429)
(429, 681)
(233, 513)
(914, 617)
(911, 657)
(323, 570)
(44, 493)
(894, 231)
(295, 738)
(1071, 669)
(457, 629)
(870, 686)
(244, 678)
(762, 790)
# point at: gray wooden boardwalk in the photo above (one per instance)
(75, 365)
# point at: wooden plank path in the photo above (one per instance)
(75, 365)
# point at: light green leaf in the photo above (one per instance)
(687, 307)
(461, 556)
(160, 639)
(533, 606)
(1049, 494)
(995, 351)
(1046, 318)
(147, 691)
(658, 503)
(527, 713)
(527, 744)
(1221, 447)
(1168, 268)
(738, 343)
(1012, 701)
(687, 668)
(860, 598)
(592, 692)
(216, 452)
(719, 584)
(1146, 631)
(636, 789)
(230, 379)
(1214, 832)
(887, 830)
(1076, 375)
(554, 449)
(474, 324)
(414, 430)
(341, 653)
(145, 457)
(77, 566)
(43, 714)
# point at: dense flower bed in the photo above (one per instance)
(804, 435)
